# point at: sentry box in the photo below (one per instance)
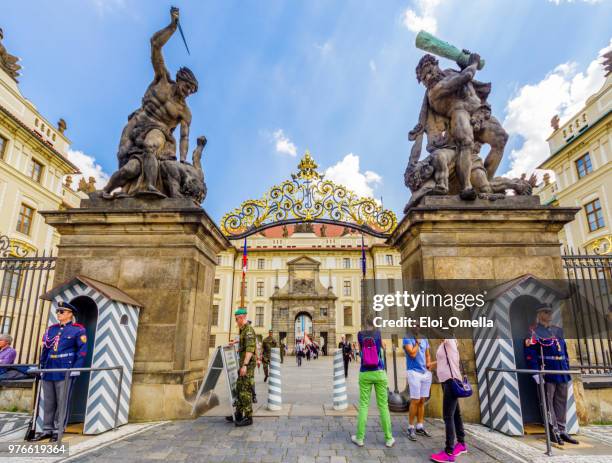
(111, 319)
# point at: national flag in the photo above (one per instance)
(244, 259)
(363, 257)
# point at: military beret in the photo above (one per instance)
(544, 308)
(240, 311)
(66, 305)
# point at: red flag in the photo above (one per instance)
(244, 259)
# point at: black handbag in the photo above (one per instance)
(460, 388)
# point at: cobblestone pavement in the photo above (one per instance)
(320, 439)
(282, 439)
(310, 435)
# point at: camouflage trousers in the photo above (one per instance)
(244, 394)
(266, 366)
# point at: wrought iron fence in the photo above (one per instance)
(590, 283)
(23, 315)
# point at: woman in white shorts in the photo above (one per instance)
(418, 375)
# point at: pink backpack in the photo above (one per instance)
(369, 353)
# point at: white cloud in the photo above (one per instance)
(563, 91)
(88, 167)
(372, 65)
(283, 144)
(422, 17)
(346, 172)
(108, 6)
(558, 2)
(325, 48)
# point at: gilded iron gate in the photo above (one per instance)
(23, 279)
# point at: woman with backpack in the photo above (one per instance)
(372, 374)
(454, 386)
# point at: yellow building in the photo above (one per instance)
(581, 158)
(33, 164)
(301, 276)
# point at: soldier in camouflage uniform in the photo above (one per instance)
(246, 374)
(267, 346)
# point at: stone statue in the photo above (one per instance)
(554, 122)
(8, 62)
(88, 186)
(456, 118)
(62, 125)
(285, 231)
(304, 227)
(323, 230)
(607, 63)
(147, 149)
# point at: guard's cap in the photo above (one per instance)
(544, 308)
(67, 306)
(240, 311)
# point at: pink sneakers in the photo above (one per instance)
(442, 457)
(459, 449)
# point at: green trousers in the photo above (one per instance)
(378, 379)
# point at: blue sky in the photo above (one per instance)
(279, 77)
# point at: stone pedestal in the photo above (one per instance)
(446, 238)
(163, 254)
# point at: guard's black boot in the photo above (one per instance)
(254, 399)
(567, 438)
(41, 435)
(53, 438)
(555, 437)
(245, 421)
(230, 418)
(265, 378)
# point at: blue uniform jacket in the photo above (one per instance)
(63, 347)
(546, 346)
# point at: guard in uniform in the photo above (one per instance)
(246, 374)
(64, 346)
(545, 349)
(267, 345)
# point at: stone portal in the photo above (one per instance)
(302, 301)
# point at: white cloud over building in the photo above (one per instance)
(347, 172)
(562, 91)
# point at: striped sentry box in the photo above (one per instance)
(340, 397)
(275, 401)
(494, 347)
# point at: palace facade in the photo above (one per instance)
(33, 176)
(581, 158)
(33, 164)
(304, 277)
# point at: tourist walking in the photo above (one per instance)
(448, 370)
(418, 376)
(346, 354)
(372, 374)
(298, 353)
